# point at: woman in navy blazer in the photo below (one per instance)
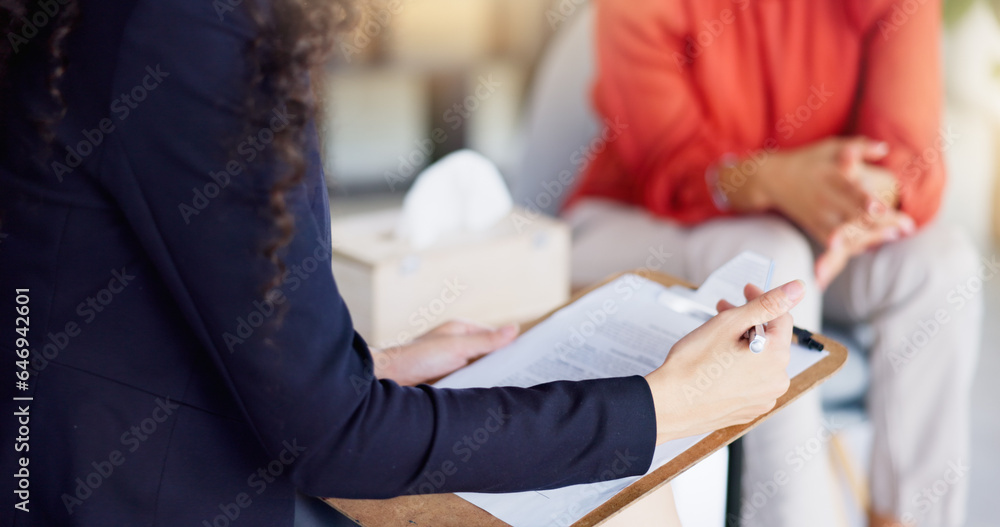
(138, 213)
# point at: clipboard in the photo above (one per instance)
(449, 510)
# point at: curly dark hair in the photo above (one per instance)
(293, 38)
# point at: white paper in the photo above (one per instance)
(607, 333)
(617, 330)
(727, 282)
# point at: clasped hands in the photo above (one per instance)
(833, 191)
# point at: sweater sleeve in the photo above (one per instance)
(198, 207)
(644, 80)
(900, 100)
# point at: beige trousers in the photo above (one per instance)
(921, 296)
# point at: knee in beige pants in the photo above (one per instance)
(922, 296)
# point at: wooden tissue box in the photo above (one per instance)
(516, 271)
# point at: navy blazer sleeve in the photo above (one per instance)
(308, 381)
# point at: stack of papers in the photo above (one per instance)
(623, 328)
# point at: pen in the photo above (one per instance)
(757, 338)
(800, 336)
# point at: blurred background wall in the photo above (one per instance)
(420, 78)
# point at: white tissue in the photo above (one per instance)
(463, 192)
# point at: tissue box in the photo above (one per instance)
(516, 271)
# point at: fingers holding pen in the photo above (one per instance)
(764, 307)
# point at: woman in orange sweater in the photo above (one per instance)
(809, 132)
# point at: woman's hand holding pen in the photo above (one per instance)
(742, 385)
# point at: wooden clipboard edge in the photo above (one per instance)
(800, 384)
(451, 510)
